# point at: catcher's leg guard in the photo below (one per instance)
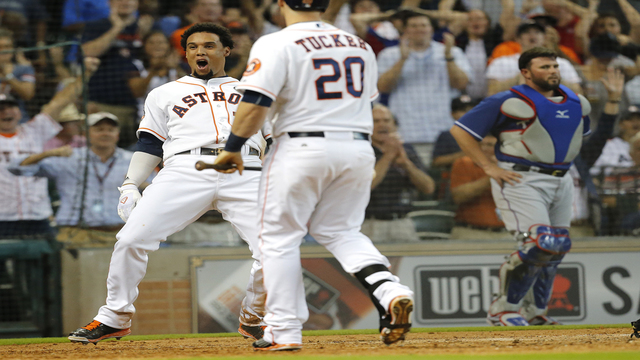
(534, 265)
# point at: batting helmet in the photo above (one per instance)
(308, 5)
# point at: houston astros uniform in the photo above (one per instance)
(538, 137)
(317, 175)
(192, 117)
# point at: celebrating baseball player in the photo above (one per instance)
(185, 121)
(539, 126)
(317, 175)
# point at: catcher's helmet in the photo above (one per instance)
(308, 5)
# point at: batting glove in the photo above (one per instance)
(129, 196)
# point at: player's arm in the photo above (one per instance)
(471, 147)
(248, 120)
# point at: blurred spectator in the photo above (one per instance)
(24, 202)
(604, 54)
(586, 219)
(71, 135)
(372, 25)
(478, 41)
(116, 41)
(503, 72)
(621, 189)
(200, 11)
(607, 22)
(551, 40)
(264, 19)
(236, 62)
(476, 217)
(36, 16)
(160, 64)
(95, 220)
(148, 12)
(419, 76)
(568, 15)
(76, 13)
(616, 151)
(399, 176)
(16, 78)
(446, 149)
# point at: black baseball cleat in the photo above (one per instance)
(636, 329)
(97, 331)
(251, 332)
(400, 311)
(263, 345)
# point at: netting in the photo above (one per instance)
(432, 70)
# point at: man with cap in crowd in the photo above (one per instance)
(92, 218)
(616, 151)
(71, 134)
(24, 203)
(503, 72)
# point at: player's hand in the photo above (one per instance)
(231, 158)
(129, 197)
(501, 175)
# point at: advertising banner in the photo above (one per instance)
(590, 288)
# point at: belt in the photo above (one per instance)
(215, 152)
(552, 172)
(356, 135)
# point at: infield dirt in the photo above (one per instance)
(461, 343)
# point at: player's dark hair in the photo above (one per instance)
(222, 32)
(536, 52)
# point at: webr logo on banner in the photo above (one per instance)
(452, 294)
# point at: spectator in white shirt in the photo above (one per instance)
(616, 151)
(420, 76)
(503, 72)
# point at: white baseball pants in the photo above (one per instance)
(177, 197)
(319, 185)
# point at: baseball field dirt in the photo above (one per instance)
(597, 343)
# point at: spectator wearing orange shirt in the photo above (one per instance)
(476, 217)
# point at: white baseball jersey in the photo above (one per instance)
(25, 198)
(333, 67)
(185, 113)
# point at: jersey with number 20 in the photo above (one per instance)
(317, 75)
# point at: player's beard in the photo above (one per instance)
(546, 85)
(203, 77)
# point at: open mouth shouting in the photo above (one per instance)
(202, 66)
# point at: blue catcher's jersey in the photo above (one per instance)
(531, 129)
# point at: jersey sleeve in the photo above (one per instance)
(479, 121)
(266, 70)
(154, 120)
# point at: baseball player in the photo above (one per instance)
(317, 175)
(185, 121)
(539, 126)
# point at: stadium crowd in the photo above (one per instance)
(436, 60)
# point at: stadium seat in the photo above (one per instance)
(433, 224)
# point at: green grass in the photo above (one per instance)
(583, 356)
(327, 333)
